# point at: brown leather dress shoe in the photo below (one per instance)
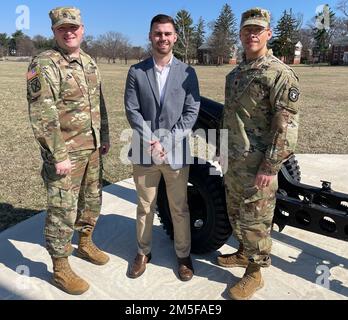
(185, 268)
(139, 265)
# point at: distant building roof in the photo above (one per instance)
(341, 41)
(205, 46)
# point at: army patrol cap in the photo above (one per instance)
(65, 15)
(256, 16)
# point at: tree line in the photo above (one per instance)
(110, 46)
(316, 36)
(193, 38)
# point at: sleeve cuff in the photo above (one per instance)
(269, 169)
(164, 141)
(60, 157)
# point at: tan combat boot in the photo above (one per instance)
(249, 284)
(66, 279)
(237, 259)
(88, 250)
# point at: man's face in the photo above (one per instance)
(69, 36)
(254, 38)
(163, 37)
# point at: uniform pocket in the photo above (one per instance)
(92, 80)
(50, 176)
(259, 203)
(71, 88)
(60, 198)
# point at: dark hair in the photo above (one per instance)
(162, 18)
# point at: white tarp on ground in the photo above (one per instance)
(304, 265)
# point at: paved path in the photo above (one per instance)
(305, 265)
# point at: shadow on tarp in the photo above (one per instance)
(10, 216)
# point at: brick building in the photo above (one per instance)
(339, 51)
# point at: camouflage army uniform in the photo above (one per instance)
(69, 120)
(261, 115)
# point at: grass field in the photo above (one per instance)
(323, 127)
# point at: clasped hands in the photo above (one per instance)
(157, 152)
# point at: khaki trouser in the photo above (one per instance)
(146, 181)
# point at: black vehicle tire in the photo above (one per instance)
(293, 168)
(210, 227)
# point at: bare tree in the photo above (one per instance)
(25, 46)
(299, 20)
(87, 43)
(343, 7)
(307, 39)
(137, 53)
(126, 49)
(340, 28)
(112, 43)
(148, 49)
(93, 47)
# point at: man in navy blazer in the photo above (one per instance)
(162, 103)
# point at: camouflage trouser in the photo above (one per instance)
(250, 210)
(73, 201)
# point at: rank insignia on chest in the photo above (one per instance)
(293, 94)
(35, 85)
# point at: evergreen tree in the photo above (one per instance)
(286, 35)
(224, 35)
(322, 35)
(42, 43)
(198, 36)
(184, 46)
(4, 42)
(13, 42)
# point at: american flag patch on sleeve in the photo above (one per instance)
(32, 74)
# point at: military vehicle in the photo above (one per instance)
(319, 210)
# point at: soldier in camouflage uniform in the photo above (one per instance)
(69, 120)
(261, 116)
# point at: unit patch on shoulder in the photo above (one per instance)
(35, 85)
(293, 94)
